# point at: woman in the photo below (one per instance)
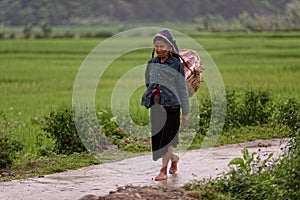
(166, 93)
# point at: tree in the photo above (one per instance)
(293, 12)
(46, 28)
(27, 31)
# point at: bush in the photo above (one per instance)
(250, 177)
(2, 34)
(46, 29)
(90, 134)
(101, 34)
(60, 125)
(286, 174)
(110, 127)
(256, 108)
(288, 114)
(250, 108)
(8, 145)
(27, 31)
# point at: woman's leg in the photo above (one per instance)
(165, 160)
(174, 161)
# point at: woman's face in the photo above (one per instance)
(162, 49)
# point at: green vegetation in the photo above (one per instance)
(9, 145)
(44, 19)
(250, 115)
(260, 72)
(253, 116)
(52, 163)
(94, 12)
(253, 177)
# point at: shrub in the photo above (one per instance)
(253, 107)
(60, 125)
(27, 31)
(257, 108)
(98, 34)
(2, 34)
(204, 115)
(46, 29)
(288, 114)
(250, 177)
(90, 134)
(110, 127)
(286, 174)
(233, 110)
(8, 145)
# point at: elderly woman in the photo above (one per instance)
(166, 93)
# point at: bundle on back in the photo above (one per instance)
(193, 69)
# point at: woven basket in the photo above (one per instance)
(193, 69)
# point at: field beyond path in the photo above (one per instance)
(138, 171)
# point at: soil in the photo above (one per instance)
(132, 178)
(146, 193)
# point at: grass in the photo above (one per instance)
(37, 76)
(258, 62)
(48, 165)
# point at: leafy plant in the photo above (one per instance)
(46, 29)
(92, 134)
(253, 108)
(110, 127)
(288, 114)
(256, 107)
(249, 177)
(249, 164)
(60, 125)
(27, 31)
(8, 145)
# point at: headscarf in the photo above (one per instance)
(167, 37)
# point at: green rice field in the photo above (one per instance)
(37, 76)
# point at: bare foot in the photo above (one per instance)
(162, 175)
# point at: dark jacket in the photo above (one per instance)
(170, 79)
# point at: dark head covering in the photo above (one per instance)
(167, 37)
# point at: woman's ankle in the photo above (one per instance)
(174, 158)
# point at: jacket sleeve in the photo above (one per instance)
(183, 91)
(147, 75)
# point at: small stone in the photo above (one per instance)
(138, 195)
(119, 194)
(89, 197)
(4, 174)
(155, 187)
(194, 194)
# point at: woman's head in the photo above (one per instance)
(164, 44)
(162, 48)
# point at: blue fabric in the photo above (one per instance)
(170, 79)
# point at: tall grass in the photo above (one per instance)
(37, 76)
(262, 61)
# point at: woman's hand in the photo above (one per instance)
(184, 119)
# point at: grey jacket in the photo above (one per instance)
(170, 79)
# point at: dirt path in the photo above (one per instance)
(101, 179)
